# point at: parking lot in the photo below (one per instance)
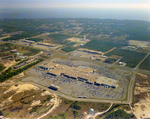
(76, 88)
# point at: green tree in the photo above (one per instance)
(75, 113)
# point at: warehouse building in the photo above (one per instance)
(80, 73)
(54, 87)
(28, 41)
(106, 82)
(46, 44)
(48, 66)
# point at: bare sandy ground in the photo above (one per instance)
(98, 113)
(21, 88)
(45, 93)
(56, 101)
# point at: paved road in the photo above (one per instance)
(142, 61)
(68, 97)
(129, 93)
(131, 88)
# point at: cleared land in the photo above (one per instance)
(25, 101)
(141, 104)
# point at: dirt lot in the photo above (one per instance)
(25, 101)
(141, 104)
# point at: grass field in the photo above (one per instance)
(132, 58)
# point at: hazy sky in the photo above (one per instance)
(76, 3)
(110, 9)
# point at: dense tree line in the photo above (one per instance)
(119, 114)
(9, 74)
(59, 38)
(132, 58)
(1, 67)
(6, 47)
(146, 64)
(23, 35)
(69, 49)
(75, 106)
(100, 45)
(35, 39)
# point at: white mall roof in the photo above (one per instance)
(107, 81)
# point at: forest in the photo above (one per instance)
(131, 29)
(132, 58)
(9, 73)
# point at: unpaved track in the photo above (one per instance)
(56, 102)
(98, 113)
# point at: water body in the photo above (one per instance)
(103, 13)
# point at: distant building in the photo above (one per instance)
(46, 44)
(13, 51)
(54, 87)
(28, 41)
(122, 63)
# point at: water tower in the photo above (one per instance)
(91, 111)
(17, 54)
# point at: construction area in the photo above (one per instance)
(78, 79)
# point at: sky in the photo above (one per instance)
(75, 3)
(115, 9)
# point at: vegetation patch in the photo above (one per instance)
(146, 64)
(34, 109)
(23, 35)
(23, 61)
(69, 49)
(75, 106)
(1, 112)
(110, 60)
(1, 67)
(59, 38)
(119, 114)
(35, 39)
(60, 116)
(132, 58)
(6, 75)
(101, 45)
(71, 43)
